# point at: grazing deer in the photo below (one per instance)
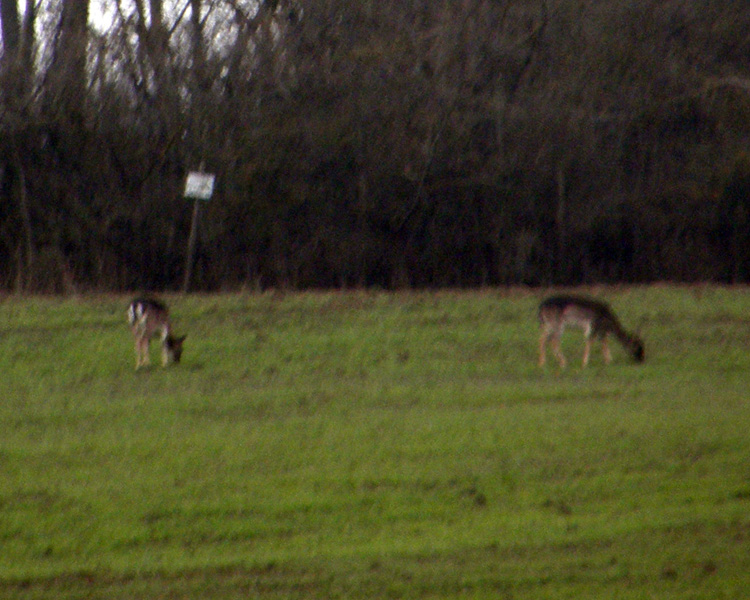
(148, 318)
(595, 318)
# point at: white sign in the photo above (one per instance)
(199, 185)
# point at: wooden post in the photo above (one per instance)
(190, 259)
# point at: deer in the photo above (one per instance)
(595, 318)
(149, 318)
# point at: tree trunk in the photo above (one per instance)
(66, 87)
(25, 212)
(11, 28)
(561, 229)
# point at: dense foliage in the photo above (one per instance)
(397, 143)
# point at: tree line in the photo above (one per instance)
(388, 143)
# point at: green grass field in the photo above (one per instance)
(375, 445)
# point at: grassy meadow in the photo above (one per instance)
(375, 445)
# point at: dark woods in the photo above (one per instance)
(390, 143)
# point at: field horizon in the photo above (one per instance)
(360, 444)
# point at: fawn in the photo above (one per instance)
(148, 318)
(594, 317)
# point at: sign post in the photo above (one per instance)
(200, 187)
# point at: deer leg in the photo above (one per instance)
(555, 341)
(586, 351)
(137, 352)
(141, 350)
(145, 358)
(606, 351)
(543, 348)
